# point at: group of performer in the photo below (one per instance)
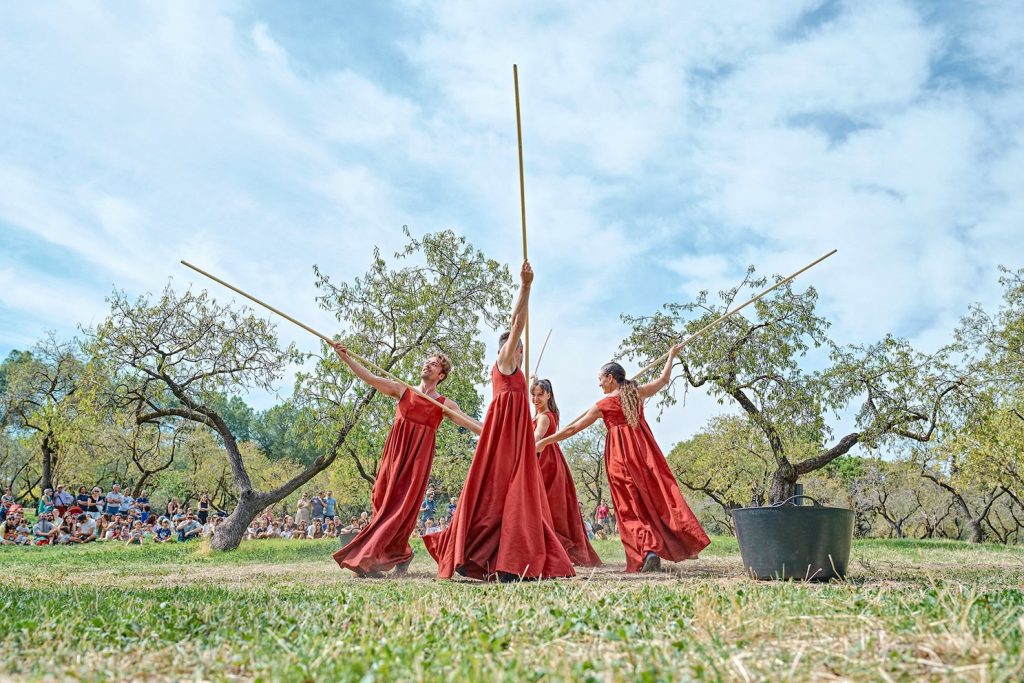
(518, 517)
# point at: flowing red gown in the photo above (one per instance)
(398, 490)
(502, 523)
(649, 508)
(565, 508)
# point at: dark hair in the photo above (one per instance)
(504, 338)
(545, 385)
(629, 395)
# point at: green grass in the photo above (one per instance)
(284, 611)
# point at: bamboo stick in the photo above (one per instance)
(522, 206)
(540, 357)
(728, 314)
(720, 319)
(329, 340)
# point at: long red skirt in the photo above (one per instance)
(649, 508)
(565, 508)
(502, 523)
(398, 490)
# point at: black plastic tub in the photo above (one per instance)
(794, 542)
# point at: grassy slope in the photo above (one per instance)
(277, 610)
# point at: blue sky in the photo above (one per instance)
(666, 149)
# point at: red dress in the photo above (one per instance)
(502, 523)
(399, 488)
(565, 508)
(649, 508)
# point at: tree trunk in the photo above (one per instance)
(232, 530)
(783, 483)
(48, 463)
(977, 531)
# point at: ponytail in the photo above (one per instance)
(629, 393)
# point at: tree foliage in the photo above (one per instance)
(761, 366)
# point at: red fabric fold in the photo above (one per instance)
(650, 510)
(502, 523)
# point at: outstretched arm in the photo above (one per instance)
(651, 388)
(589, 418)
(381, 384)
(461, 418)
(507, 353)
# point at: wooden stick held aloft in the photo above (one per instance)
(540, 356)
(729, 314)
(323, 336)
(522, 206)
(707, 328)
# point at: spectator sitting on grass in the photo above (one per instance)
(189, 528)
(135, 535)
(317, 530)
(331, 530)
(429, 527)
(86, 530)
(44, 531)
(163, 530)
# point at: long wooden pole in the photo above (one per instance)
(729, 314)
(540, 356)
(323, 336)
(522, 207)
(707, 328)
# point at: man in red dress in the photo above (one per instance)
(404, 467)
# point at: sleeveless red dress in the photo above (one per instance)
(502, 523)
(565, 509)
(399, 488)
(649, 508)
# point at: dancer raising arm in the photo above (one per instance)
(502, 526)
(404, 467)
(653, 518)
(558, 483)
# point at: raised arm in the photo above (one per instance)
(588, 418)
(651, 388)
(381, 384)
(461, 418)
(507, 353)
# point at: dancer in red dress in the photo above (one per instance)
(404, 468)
(502, 528)
(654, 520)
(558, 483)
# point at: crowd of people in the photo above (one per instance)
(117, 516)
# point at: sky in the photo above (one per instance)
(667, 146)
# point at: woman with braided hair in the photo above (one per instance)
(654, 520)
(558, 483)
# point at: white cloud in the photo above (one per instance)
(671, 145)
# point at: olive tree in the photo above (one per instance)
(436, 296)
(44, 399)
(758, 364)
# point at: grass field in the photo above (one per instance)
(284, 611)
